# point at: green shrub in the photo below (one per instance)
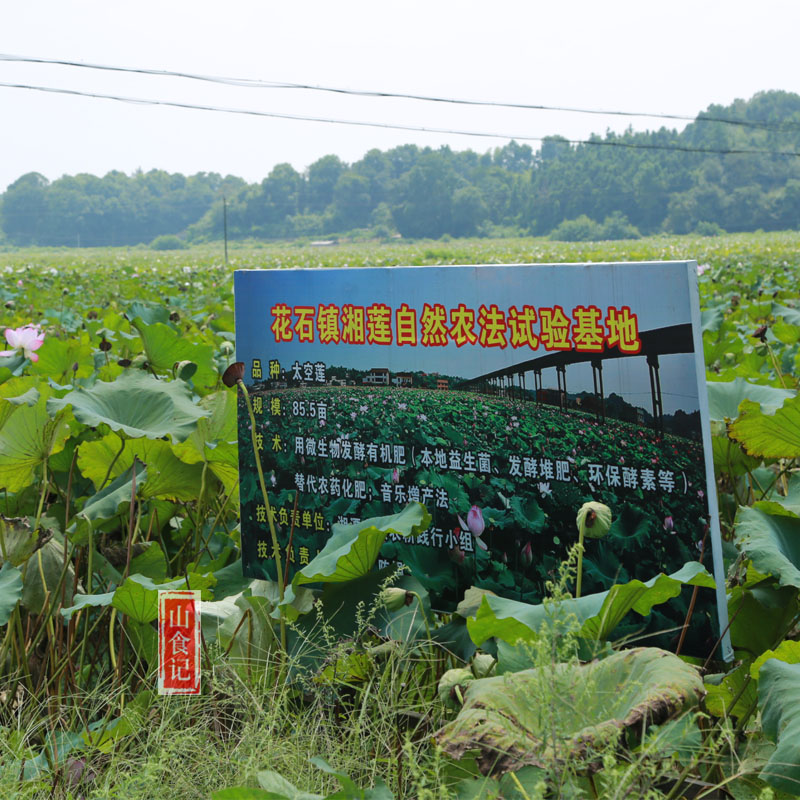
(168, 241)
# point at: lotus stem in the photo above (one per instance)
(581, 532)
(275, 546)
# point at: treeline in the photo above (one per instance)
(617, 186)
(117, 209)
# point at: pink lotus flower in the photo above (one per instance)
(669, 524)
(475, 525)
(526, 555)
(28, 338)
(475, 521)
(395, 475)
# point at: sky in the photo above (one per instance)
(658, 294)
(676, 57)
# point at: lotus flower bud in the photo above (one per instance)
(483, 665)
(594, 519)
(394, 598)
(526, 555)
(456, 555)
(475, 521)
(451, 680)
(669, 524)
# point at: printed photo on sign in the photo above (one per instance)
(500, 397)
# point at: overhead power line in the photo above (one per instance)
(396, 126)
(254, 83)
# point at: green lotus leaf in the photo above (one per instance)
(711, 318)
(788, 504)
(137, 597)
(164, 347)
(771, 542)
(15, 393)
(730, 457)
(760, 615)
(779, 701)
(352, 550)
(787, 651)
(215, 440)
(252, 640)
(10, 590)
(17, 539)
(725, 397)
(137, 404)
(733, 696)
(148, 313)
(277, 786)
(769, 435)
(590, 706)
(790, 315)
(41, 574)
(152, 563)
(87, 600)
(144, 638)
(598, 614)
(106, 503)
(167, 476)
(57, 358)
(28, 443)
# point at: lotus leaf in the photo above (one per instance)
(779, 700)
(771, 542)
(137, 404)
(167, 476)
(10, 590)
(598, 614)
(725, 397)
(28, 443)
(769, 435)
(352, 549)
(106, 503)
(589, 707)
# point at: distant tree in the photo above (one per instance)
(24, 209)
(321, 182)
(425, 198)
(351, 201)
(554, 147)
(514, 157)
(468, 211)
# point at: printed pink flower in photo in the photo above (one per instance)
(27, 338)
(526, 555)
(475, 525)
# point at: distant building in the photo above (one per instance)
(378, 376)
(442, 383)
(403, 379)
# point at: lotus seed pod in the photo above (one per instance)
(452, 679)
(233, 374)
(594, 519)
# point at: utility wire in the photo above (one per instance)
(395, 126)
(262, 84)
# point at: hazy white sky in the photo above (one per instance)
(675, 57)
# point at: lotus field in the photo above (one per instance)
(340, 672)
